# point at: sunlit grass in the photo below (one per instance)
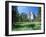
(19, 26)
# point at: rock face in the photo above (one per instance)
(30, 16)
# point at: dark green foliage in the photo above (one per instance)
(18, 26)
(31, 25)
(13, 26)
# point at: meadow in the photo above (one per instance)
(21, 26)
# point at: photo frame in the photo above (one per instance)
(24, 18)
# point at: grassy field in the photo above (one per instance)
(21, 26)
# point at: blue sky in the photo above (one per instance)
(26, 9)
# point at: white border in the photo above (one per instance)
(24, 32)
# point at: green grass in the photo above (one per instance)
(20, 26)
